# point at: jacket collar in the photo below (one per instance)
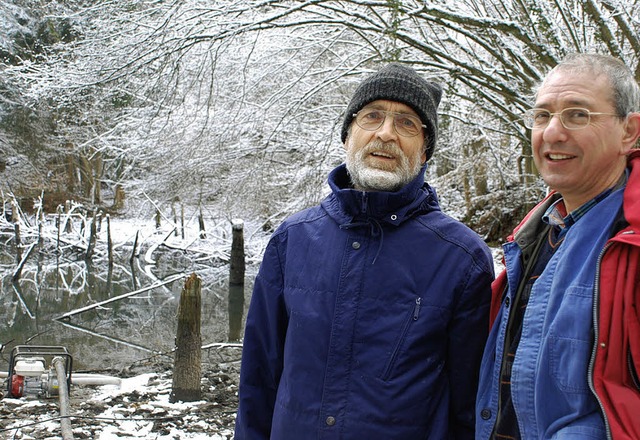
(527, 229)
(347, 204)
(632, 191)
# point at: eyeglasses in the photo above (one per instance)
(406, 125)
(572, 118)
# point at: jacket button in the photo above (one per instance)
(485, 414)
(506, 301)
(355, 245)
(394, 217)
(330, 421)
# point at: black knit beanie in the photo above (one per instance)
(399, 83)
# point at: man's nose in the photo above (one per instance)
(387, 130)
(555, 130)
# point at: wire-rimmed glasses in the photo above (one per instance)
(406, 125)
(572, 118)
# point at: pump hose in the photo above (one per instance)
(63, 395)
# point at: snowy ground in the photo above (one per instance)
(138, 408)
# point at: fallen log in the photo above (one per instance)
(119, 297)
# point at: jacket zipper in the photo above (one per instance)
(416, 309)
(364, 202)
(405, 329)
(596, 331)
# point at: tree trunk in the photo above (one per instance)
(72, 179)
(118, 197)
(98, 169)
(86, 176)
(528, 171)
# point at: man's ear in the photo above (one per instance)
(347, 137)
(425, 146)
(631, 136)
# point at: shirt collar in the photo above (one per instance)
(556, 215)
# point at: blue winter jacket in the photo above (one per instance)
(549, 376)
(368, 319)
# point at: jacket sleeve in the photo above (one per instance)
(499, 287)
(467, 336)
(262, 351)
(617, 360)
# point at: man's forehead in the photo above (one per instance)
(384, 104)
(573, 89)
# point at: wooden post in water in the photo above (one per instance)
(236, 281)
(58, 225)
(187, 367)
(203, 234)
(16, 230)
(92, 238)
(182, 221)
(134, 250)
(175, 217)
(40, 221)
(109, 242)
(68, 226)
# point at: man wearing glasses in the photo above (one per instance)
(370, 311)
(563, 355)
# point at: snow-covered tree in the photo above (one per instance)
(235, 105)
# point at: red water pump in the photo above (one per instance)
(32, 373)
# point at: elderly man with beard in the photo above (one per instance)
(370, 311)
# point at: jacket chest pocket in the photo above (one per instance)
(569, 343)
(412, 316)
(406, 338)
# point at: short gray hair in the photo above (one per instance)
(624, 87)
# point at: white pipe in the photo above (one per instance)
(94, 379)
(63, 394)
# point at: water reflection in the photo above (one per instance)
(120, 332)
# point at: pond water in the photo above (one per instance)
(53, 303)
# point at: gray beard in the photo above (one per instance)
(366, 178)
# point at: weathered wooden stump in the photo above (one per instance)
(187, 366)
